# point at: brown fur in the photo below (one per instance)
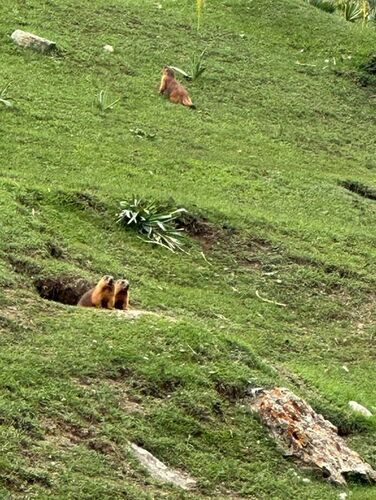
(121, 295)
(173, 89)
(101, 295)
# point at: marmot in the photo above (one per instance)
(173, 89)
(121, 295)
(101, 295)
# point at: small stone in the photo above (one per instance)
(342, 496)
(305, 480)
(344, 367)
(359, 409)
(108, 48)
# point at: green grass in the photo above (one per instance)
(281, 123)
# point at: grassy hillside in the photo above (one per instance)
(281, 123)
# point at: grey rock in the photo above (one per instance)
(160, 471)
(359, 409)
(31, 41)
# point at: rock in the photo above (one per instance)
(160, 471)
(359, 409)
(342, 496)
(307, 435)
(108, 48)
(28, 40)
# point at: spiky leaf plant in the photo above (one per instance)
(350, 9)
(104, 101)
(4, 98)
(196, 69)
(197, 66)
(153, 222)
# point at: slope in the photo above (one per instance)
(280, 125)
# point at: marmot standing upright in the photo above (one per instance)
(101, 295)
(121, 295)
(173, 89)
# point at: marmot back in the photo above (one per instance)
(173, 89)
(99, 296)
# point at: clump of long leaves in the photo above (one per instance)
(104, 102)
(197, 67)
(351, 10)
(5, 100)
(153, 222)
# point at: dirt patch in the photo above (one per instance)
(200, 229)
(257, 253)
(66, 434)
(360, 189)
(65, 289)
(127, 402)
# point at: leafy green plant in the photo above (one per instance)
(325, 5)
(196, 67)
(4, 98)
(372, 10)
(104, 101)
(152, 222)
(351, 10)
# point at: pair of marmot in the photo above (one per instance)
(108, 294)
(173, 89)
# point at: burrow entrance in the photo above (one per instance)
(360, 189)
(66, 290)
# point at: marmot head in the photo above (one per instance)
(168, 71)
(107, 281)
(121, 285)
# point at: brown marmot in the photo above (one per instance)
(101, 295)
(173, 89)
(121, 295)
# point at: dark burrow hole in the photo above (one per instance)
(66, 290)
(360, 189)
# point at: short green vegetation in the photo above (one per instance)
(284, 128)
